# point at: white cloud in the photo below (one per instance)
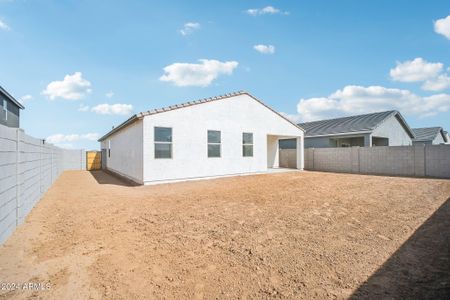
(415, 70)
(113, 109)
(65, 139)
(189, 28)
(90, 136)
(201, 74)
(442, 26)
(4, 26)
(108, 109)
(83, 107)
(265, 49)
(439, 83)
(435, 104)
(65, 145)
(72, 87)
(291, 117)
(25, 98)
(359, 100)
(268, 10)
(109, 94)
(419, 70)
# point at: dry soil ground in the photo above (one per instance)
(287, 235)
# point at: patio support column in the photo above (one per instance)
(272, 152)
(300, 153)
(368, 140)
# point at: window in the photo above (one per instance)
(247, 144)
(163, 142)
(5, 108)
(109, 148)
(213, 143)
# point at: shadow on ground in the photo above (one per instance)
(105, 177)
(420, 268)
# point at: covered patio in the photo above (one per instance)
(285, 158)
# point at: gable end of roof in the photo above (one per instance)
(141, 115)
(402, 121)
(428, 133)
(365, 123)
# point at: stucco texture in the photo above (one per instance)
(133, 147)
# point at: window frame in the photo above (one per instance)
(247, 144)
(214, 143)
(155, 142)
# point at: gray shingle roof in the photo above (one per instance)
(351, 124)
(427, 133)
(140, 115)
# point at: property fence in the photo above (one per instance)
(414, 161)
(28, 167)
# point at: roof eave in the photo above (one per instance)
(340, 133)
(412, 135)
(405, 124)
(362, 129)
(141, 115)
(443, 134)
(11, 98)
(261, 102)
(130, 120)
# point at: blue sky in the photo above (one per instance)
(83, 66)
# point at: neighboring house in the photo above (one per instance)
(9, 109)
(430, 135)
(225, 135)
(448, 137)
(386, 128)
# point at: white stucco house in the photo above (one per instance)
(233, 134)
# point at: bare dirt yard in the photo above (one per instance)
(286, 235)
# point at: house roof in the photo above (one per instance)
(141, 115)
(428, 133)
(353, 124)
(11, 98)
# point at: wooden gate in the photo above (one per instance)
(93, 160)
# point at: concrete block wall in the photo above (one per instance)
(413, 161)
(332, 159)
(28, 167)
(355, 160)
(74, 160)
(437, 161)
(397, 160)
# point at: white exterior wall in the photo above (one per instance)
(392, 129)
(126, 152)
(232, 116)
